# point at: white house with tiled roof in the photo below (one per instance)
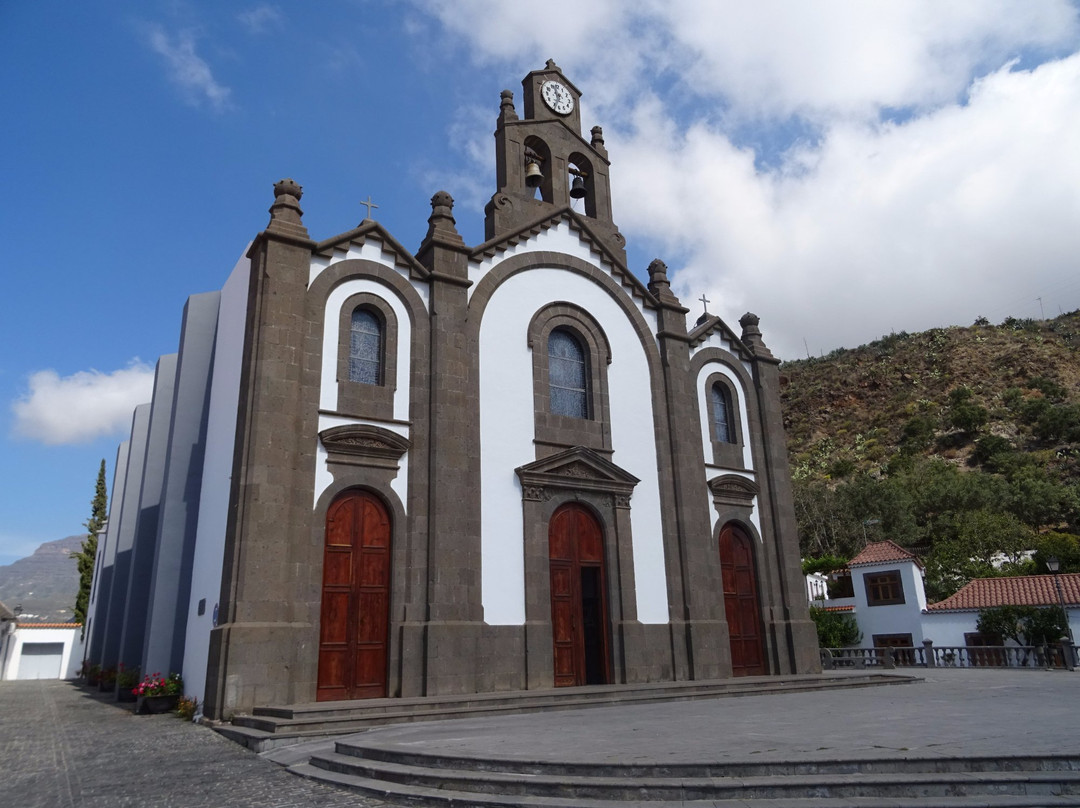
(952, 621)
(889, 597)
(889, 601)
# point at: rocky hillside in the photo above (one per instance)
(44, 584)
(962, 444)
(854, 409)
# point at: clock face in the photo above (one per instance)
(557, 97)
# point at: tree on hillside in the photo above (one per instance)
(979, 544)
(88, 552)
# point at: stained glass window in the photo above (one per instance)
(366, 347)
(721, 413)
(567, 374)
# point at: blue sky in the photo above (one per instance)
(843, 169)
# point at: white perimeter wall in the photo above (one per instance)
(948, 628)
(216, 479)
(506, 436)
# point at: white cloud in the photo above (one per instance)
(938, 181)
(261, 19)
(879, 227)
(87, 405)
(772, 58)
(187, 69)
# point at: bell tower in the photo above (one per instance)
(544, 165)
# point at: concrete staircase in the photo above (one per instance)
(423, 779)
(271, 727)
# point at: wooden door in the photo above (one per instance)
(354, 629)
(741, 602)
(578, 601)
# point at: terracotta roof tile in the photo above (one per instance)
(1025, 590)
(834, 608)
(50, 625)
(883, 552)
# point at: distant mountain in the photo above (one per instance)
(44, 584)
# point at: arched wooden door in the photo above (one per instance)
(741, 602)
(578, 603)
(354, 629)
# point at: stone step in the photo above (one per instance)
(603, 786)
(882, 765)
(413, 794)
(303, 721)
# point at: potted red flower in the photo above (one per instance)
(158, 694)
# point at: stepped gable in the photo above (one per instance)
(712, 324)
(1022, 590)
(581, 225)
(371, 230)
(883, 552)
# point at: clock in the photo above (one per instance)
(557, 97)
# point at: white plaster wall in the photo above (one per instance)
(323, 478)
(70, 638)
(506, 435)
(705, 426)
(900, 618)
(708, 369)
(216, 477)
(328, 392)
(948, 628)
(562, 239)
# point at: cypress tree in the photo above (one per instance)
(85, 557)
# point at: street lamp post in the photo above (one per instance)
(1053, 564)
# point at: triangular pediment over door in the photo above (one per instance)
(578, 468)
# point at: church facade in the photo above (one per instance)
(370, 472)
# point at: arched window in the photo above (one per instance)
(567, 375)
(366, 347)
(721, 414)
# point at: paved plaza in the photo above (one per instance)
(63, 746)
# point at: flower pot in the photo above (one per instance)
(153, 705)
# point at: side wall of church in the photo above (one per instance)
(113, 606)
(144, 546)
(166, 617)
(202, 603)
(101, 587)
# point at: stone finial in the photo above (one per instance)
(658, 273)
(598, 140)
(442, 204)
(287, 187)
(285, 213)
(550, 65)
(751, 335)
(442, 227)
(659, 284)
(506, 106)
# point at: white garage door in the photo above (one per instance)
(40, 660)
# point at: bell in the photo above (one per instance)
(533, 176)
(577, 188)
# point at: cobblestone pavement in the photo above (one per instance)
(64, 747)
